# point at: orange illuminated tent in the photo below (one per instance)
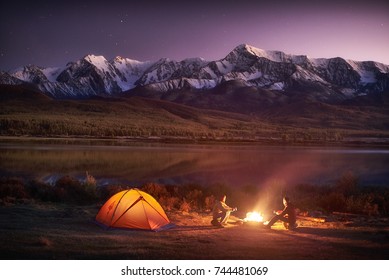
(133, 209)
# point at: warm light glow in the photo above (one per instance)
(253, 217)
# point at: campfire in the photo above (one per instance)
(253, 217)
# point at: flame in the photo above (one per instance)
(253, 217)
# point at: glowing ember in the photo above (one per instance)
(253, 217)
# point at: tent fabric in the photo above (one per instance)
(133, 209)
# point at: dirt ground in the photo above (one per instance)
(33, 231)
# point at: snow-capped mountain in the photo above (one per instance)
(272, 70)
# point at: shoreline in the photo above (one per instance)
(374, 142)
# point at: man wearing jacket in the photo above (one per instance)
(288, 215)
(221, 212)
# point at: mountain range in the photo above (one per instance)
(265, 76)
(249, 94)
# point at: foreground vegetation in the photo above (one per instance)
(344, 196)
(43, 221)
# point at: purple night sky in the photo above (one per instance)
(51, 33)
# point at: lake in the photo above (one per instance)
(232, 165)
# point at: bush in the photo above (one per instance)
(90, 187)
(155, 190)
(381, 198)
(333, 202)
(209, 201)
(13, 187)
(41, 191)
(195, 198)
(185, 206)
(344, 195)
(90, 181)
(170, 203)
(66, 188)
(347, 184)
(104, 193)
(69, 189)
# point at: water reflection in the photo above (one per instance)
(202, 164)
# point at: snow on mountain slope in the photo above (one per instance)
(254, 67)
(276, 56)
(7, 79)
(31, 74)
(99, 61)
(52, 73)
(166, 69)
(131, 71)
(368, 70)
(184, 83)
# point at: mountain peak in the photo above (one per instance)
(119, 58)
(250, 49)
(98, 61)
(94, 58)
(123, 60)
(276, 56)
(246, 47)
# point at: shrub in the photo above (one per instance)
(90, 187)
(155, 190)
(354, 204)
(90, 181)
(333, 202)
(41, 191)
(170, 203)
(363, 204)
(66, 189)
(209, 201)
(104, 193)
(347, 184)
(69, 189)
(195, 198)
(381, 198)
(13, 187)
(371, 209)
(185, 206)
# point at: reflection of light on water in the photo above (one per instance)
(188, 164)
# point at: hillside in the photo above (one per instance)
(27, 112)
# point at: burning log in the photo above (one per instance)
(253, 218)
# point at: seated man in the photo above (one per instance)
(221, 212)
(288, 215)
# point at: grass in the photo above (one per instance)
(29, 113)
